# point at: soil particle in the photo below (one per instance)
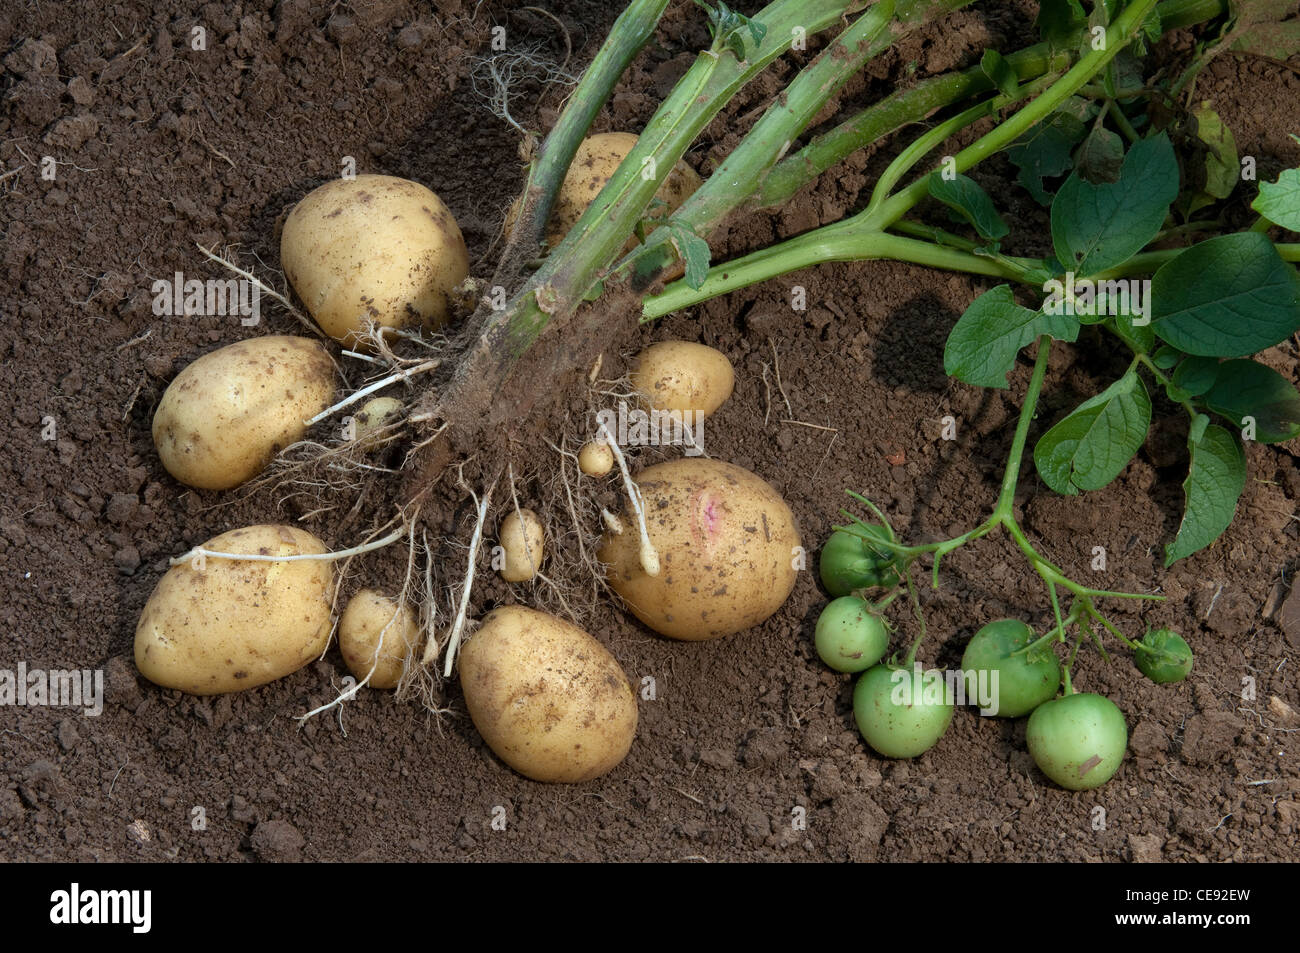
(1209, 736)
(277, 840)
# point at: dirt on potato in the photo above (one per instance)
(202, 123)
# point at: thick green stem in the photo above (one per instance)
(891, 114)
(629, 34)
(815, 248)
(592, 244)
(735, 181)
(859, 237)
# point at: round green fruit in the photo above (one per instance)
(1078, 741)
(1010, 685)
(848, 563)
(850, 637)
(1170, 660)
(900, 712)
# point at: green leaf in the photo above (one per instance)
(983, 345)
(1248, 389)
(1196, 375)
(1166, 357)
(1095, 227)
(1228, 296)
(1044, 150)
(1215, 479)
(1123, 74)
(1094, 444)
(1100, 156)
(1152, 30)
(1279, 201)
(693, 250)
(964, 196)
(1139, 337)
(1221, 168)
(1002, 73)
(1059, 22)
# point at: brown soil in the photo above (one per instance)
(160, 147)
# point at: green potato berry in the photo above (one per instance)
(1078, 741)
(1170, 660)
(902, 713)
(1010, 685)
(850, 637)
(848, 563)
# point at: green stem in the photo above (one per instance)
(1003, 510)
(818, 247)
(939, 134)
(629, 34)
(569, 272)
(1119, 34)
(733, 183)
(1121, 120)
(891, 114)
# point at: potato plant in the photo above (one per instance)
(585, 252)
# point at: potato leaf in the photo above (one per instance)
(1221, 167)
(694, 251)
(1044, 151)
(1095, 227)
(1100, 156)
(1166, 357)
(1196, 375)
(1059, 22)
(1228, 296)
(1215, 479)
(983, 345)
(965, 197)
(1002, 73)
(1279, 201)
(1247, 389)
(1094, 444)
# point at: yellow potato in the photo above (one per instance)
(374, 623)
(376, 248)
(376, 414)
(595, 458)
(683, 376)
(237, 623)
(726, 543)
(595, 161)
(547, 698)
(226, 415)
(522, 539)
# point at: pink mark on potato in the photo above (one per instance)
(707, 516)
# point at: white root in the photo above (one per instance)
(198, 552)
(528, 550)
(649, 557)
(397, 619)
(458, 624)
(612, 522)
(371, 388)
(264, 288)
